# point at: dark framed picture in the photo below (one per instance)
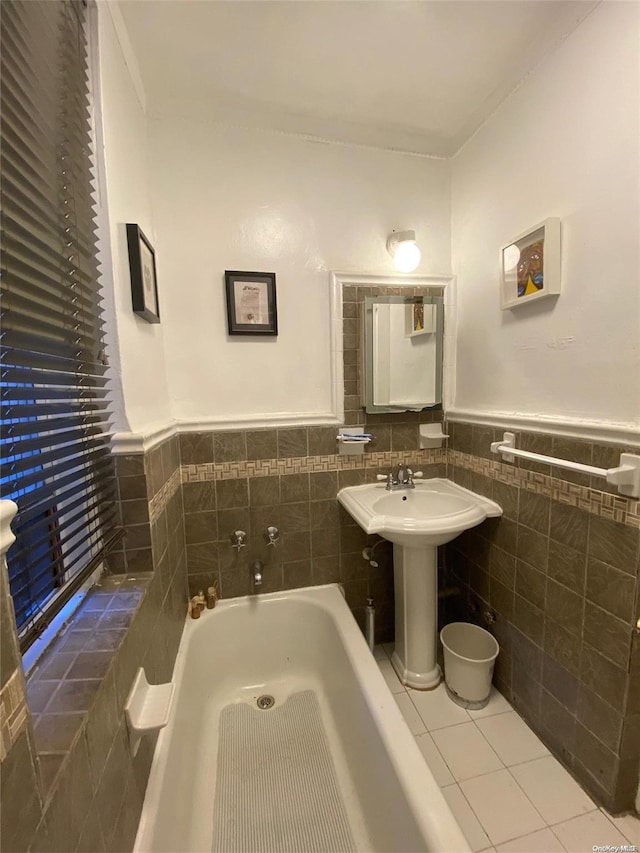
(251, 303)
(144, 284)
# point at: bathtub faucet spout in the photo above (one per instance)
(256, 572)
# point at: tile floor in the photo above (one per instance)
(508, 793)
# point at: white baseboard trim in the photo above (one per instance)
(612, 433)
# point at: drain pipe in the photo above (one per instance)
(370, 624)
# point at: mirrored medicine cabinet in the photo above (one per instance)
(403, 340)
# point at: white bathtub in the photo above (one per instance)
(283, 644)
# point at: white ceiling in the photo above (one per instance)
(417, 76)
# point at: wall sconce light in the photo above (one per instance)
(402, 247)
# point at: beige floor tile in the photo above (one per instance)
(469, 824)
(466, 751)
(501, 806)
(512, 738)
(553, 791)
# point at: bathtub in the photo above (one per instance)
(228, 776)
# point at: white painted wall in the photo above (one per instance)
(135, 346)
(230, 198)
(566, 144)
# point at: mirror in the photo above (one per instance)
(403, 353)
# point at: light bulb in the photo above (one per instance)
(407, 256)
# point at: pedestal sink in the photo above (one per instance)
(416, 521)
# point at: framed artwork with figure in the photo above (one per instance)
(530, 265)
(144, 284)
(251, 303)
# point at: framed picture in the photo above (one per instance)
(251, 303)
(530, 265)
(420, 319)
(144, 284)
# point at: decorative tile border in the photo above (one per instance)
(13, 713)
(614, 507)
(308, 465)
(160, 500)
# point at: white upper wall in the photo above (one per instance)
(232, 199)
(135, 346)
(565, 144)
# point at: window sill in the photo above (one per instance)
(63, 685)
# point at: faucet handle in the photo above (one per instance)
(273, 535)
(238, 540)
(388, 477)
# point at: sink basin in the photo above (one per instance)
(433, 513)
(416, 521)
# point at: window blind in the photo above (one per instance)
(56, 463)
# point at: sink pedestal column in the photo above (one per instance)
(416, 604)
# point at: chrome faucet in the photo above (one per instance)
(257, 567)
(401, 478)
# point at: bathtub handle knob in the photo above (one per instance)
(273, 535)
(238, 540)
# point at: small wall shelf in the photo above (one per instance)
(431, 435)
(147, 708)
(351, 441)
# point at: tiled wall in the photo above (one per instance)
(68, 780)
(289, 478)
(560, 570)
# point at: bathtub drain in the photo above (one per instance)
(265, 702)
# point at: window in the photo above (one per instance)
(56, 463)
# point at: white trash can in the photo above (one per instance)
(469, 655)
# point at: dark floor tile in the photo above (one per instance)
(74, 696)
(39, 692)
(91, 664)
(57, 732)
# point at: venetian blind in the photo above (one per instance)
(56, 463)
